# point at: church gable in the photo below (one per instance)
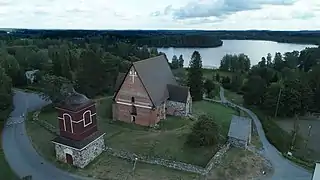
(132, 90)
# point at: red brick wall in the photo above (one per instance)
(129, 89)
(136, 90)
(144, 117)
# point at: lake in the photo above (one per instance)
(254, 49)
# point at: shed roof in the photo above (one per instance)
(316, 174)
(240, 128)
(178, 93)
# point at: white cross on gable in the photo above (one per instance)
(133, 74)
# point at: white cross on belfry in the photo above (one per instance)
(133, 74)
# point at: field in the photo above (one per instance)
(166, 141)
(307, 147)
(240, 164)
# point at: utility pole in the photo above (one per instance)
(275, 114)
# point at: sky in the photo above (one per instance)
(163, 14)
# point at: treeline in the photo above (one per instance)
(201, 41)
(91, 68)
(284, 85)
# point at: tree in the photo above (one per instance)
(5, 91)
(278, 63)
(269, 60)
(208, 86)
(262, 63)
(53, 88)
(236, 82)
(254, 90)
(217, 77)
(291, 59)
(174, 62)
(181, 61)
(226, 82)
(205, 132)
(195, 76)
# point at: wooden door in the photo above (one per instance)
(69, 159)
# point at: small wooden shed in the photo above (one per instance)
(240, 132)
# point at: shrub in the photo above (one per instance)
(277, 136)
(204, 132)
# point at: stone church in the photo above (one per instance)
(148, 92)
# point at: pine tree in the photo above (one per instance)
(175, 62)
(195, 76)
(181, 61)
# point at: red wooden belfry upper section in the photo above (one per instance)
(77, 117)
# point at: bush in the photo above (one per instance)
(205, 132)
(276, 136)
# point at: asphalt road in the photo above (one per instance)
(19, 152)
(283, 168)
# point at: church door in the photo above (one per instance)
(69, 159)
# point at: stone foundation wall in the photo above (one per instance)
(216, 160)
(176, 108)
(81, 158)
(237, 142)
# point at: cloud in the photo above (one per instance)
(222, 8)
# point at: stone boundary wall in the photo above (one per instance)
(44, 124)
(214, 161)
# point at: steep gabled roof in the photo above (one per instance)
(155, 74)
(178, 93)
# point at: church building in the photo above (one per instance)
(148, 92)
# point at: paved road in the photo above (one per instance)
(283, 168)
(19, 152)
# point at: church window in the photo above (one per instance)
(134, 110)
(132, 99)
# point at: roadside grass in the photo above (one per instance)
(233, 97)
(240, 164)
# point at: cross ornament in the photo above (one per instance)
(133, 74)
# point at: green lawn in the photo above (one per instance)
(166, 141)
(105, 167)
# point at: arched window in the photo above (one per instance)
(87, 118)
(132, 99)
(67, 120)
(134, 110)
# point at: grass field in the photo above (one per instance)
(238, 164)
(233, 97)
(167, 141)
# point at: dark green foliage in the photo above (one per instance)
(52, 88)
(254, 90)
(217, 78)
(235, 63)
(226, 82)
(236, 82)
(180, 41)
(181, 61)
(208, 86)
(205, 132)
(5, 94)
(195, 76)
(175, 62)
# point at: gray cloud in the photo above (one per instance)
(220, 8)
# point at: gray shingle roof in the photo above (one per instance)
(178, 93)
(240, 128)
(155, 74)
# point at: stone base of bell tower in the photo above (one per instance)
(79, 153)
